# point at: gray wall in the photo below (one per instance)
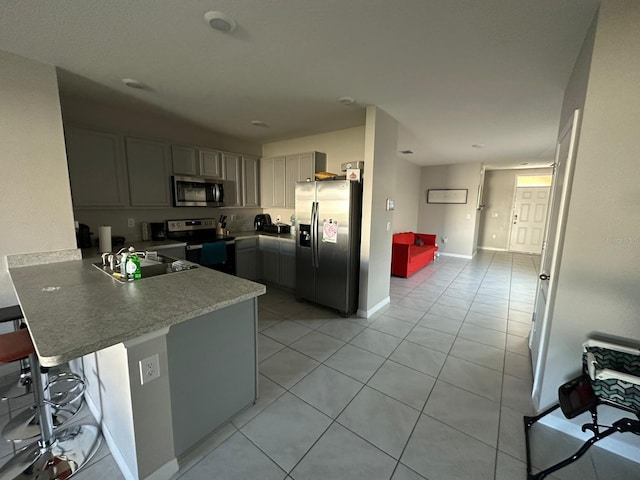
(495, 217)
(151, 125)
(407, 196)
(599, 276)
(35, 195)
(381, 140)
(457, 222)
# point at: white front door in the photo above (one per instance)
(529, 219)
(551, 252)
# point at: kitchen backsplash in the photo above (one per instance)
(238, 219)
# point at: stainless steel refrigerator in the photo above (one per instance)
(328, 217)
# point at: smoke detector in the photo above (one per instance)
(346, 100)
(133, 83)
(220, 21)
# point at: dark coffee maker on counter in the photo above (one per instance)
(158, 231)
(261, 220)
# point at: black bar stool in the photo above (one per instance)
(23, 385)
(56, 455)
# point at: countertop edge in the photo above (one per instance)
(52, 361)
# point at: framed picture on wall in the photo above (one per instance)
(447, 195)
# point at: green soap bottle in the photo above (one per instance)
(133, 265)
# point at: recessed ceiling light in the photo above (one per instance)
(346, 100)
(258, 123)
(130, 82)
(220, 21)
(406, 152)
(478, 145)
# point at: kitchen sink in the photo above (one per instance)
(150, 268)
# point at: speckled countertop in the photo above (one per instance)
(73, 309)
(252, 234)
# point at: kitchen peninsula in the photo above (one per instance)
(199, 326)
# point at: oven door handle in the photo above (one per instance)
(194, 247)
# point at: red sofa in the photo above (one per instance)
(408, 256)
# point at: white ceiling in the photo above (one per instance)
(452, 72)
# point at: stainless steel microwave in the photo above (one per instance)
(197, 192)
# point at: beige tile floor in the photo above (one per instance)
(433, 387)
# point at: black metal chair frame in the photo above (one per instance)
(577, 396)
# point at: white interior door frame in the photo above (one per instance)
(552, 253)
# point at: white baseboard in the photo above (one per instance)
(370, 312)
(493, 249)
(456, 255)
(166, 471)
(108, 437)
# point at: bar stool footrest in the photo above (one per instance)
(72, 448)
(26, 424)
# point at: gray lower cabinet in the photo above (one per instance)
(278, 261)
(149, 168)
(97, 168)
(212, 371)
(248, 263)
(270, 253)
(287, 263)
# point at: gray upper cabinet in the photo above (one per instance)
(280, 174)
(251, 182)
(210, 163)
(149, 167)
(241, 177)
(184, 160)
(272, 182)
(97, 168)
(109, 170)
(201, 162)
(232, 180)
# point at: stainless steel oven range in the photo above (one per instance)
(195, 233)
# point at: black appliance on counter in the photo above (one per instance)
(83, 236)
(158, 231)
(195, 233)
(277, 228)
(260, 221)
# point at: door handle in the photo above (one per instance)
(544, 276)
(314, 234)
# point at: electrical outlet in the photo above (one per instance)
(149, 369)
(131, 222)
